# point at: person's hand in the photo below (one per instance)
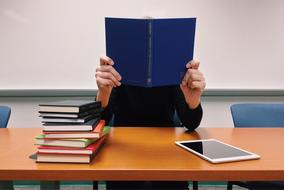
(107, 78)
(193, 84)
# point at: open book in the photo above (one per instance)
(150, 52)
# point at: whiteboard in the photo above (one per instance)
(56, 44)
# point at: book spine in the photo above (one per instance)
(150, 53)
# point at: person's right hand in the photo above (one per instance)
(107, 77)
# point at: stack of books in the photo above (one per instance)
(66, 112)
(72, 131)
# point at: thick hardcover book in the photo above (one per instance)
(64, 158)
(69, 120)
(70, 150)
(150, 52)
(88, 126)
(80, 143)
(96, 111)
(99, 131)
(71, 135)
(69, 106)
(70, 157)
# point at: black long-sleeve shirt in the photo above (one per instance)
(139, 106)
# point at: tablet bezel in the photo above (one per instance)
(251, 155)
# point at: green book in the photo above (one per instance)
(80, 143)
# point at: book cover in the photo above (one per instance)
(88, 126)
(70, 157)
(75, 135)
(95, 111)
(64, 158)
(69, 106)
(71, 150)
(81, 143)
(98, 132)
(68, 120)
(150, 52)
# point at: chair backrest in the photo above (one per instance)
(5, 113)
(258, 115)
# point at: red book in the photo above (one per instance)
(71, 150)
(69, 157)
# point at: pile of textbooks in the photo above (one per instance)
(72, 131)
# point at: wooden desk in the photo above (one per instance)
(148, 154)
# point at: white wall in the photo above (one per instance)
(216, 109)
(55, 44)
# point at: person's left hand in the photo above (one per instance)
(193, 84)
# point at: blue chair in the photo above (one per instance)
(5, 113)
(257, 115)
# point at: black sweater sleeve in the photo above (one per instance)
(107, 112)
(190, 118)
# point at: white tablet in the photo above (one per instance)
(216, 151)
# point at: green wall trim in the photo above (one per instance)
(92, 92)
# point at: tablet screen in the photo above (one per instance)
(218, 151)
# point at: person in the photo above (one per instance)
(155, 106)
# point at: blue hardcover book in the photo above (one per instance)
(150, 52)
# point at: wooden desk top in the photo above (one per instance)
(148, 154)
